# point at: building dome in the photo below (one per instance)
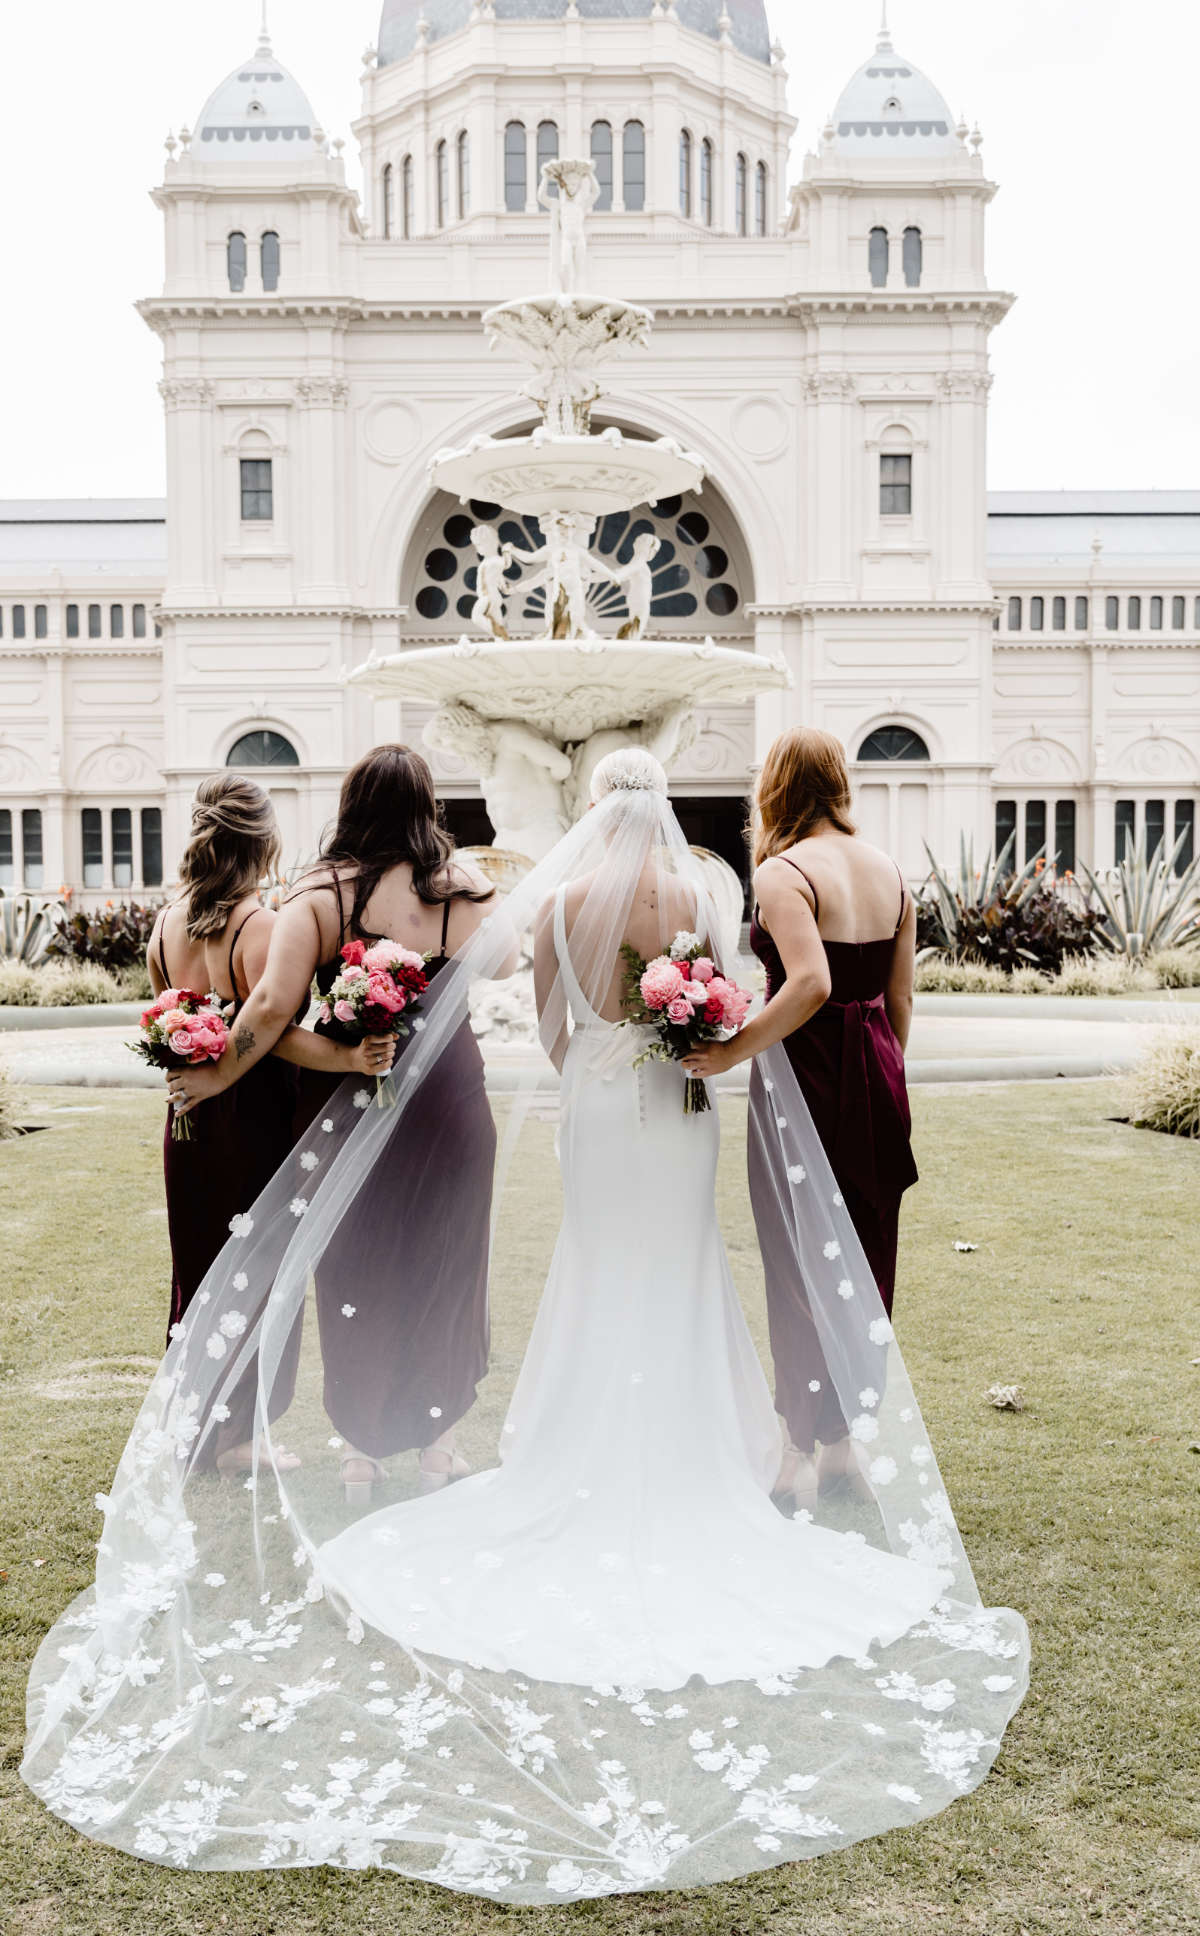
(890, 111)
(398, 22)
(257, 110)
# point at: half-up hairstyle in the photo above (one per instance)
(388, 817)
(233, 844)
(804, 784)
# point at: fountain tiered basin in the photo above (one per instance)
(543, 473)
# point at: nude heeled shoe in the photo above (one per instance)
(358, 1490)
(440, 1466)
(797, 1480)
(840, 1464)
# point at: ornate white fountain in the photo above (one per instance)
(533, 715)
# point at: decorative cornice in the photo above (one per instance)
(171, 615)
(1118, 642)
(990, 306)
(81, 649)
(869, 608)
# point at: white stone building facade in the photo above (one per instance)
(1028, 661)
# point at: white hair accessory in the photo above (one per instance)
(628, 769)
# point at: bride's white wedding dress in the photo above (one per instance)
(628, 1537)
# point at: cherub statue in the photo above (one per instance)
(490, 607)
(578, 193)
(568, 568)
(638, 581)
(521, 771)
(667, 734)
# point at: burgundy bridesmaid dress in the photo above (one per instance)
(412, 1257)
(850, 1068)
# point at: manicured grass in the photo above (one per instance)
(1081, 1511)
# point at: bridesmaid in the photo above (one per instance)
(835, 929)
(387, 869)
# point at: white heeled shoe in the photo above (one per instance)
(440, 1466)
(797, 1480)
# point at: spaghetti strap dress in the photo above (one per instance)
(406, 1368)
(850, 1068)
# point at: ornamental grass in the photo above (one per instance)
(1164, 1089)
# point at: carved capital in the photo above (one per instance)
(186, 393)
(328, 392)
(972, 385)
(830, 386)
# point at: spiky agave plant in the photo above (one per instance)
(1145, 905)
(1011, 919)
(27, 927)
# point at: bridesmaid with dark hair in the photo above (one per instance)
(388, 870)
(214, 938)
(835, 928)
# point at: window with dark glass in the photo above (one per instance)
(72, 621)
(32, 870)
(441, 176)
(1185, 830)
(1133, 616)
(139, 621)
(464, 176)
(760, 199)
(258, 495)
(1035, 829)
(116, 621)
(685, 172)
(263, 748)
(235, 261)
(1081, 615)
(1, 621)
(94, 631)
(268, 261)
(877, 258)
(18, 621)
(602, 162)
(122, 847)
(1154, 825)
(92, 827)
(1156, 614)
(1178, 611)
(1196, 612)
(1064, 836)
(1112, 614)
(1037, 614)
(389, 201)
(1006, 829)
(893, 743)
(152, 867)
(547, 148)
(633, 166)
(515, 194)
(6, 848)
(1124, 825)
(406, 198)
(41, 621)
(1058, 615)
(895, 485)
(912, 258)
(741, 195)
(706, 182)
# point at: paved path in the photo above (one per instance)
(955, 1038)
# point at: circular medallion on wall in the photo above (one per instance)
(760, 426)
(391, 429)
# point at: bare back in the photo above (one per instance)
(394, 909)
(661, 905)
(859, 890)
(213, 964)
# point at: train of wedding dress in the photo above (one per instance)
(610, 1661)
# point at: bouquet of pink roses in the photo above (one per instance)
(179, 1029)
(685, 1001)
(376, 993)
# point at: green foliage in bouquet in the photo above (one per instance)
(113, 937)
(1002, 918)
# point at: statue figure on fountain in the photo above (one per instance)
(667, 734)
(522, 774)
(577, 194)
(491, 577)
(637, 581)
(568, 568)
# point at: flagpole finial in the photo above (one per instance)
(264, 37)
(883, 43)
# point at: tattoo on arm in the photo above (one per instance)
(243, 1041)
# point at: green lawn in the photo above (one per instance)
(1080, 1510)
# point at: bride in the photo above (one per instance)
(610, 1662)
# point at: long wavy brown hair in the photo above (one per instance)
(387, 817)
(234, 843)
(804, 783)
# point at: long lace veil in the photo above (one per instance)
(216, 1701)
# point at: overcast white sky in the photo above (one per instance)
(1088, 109)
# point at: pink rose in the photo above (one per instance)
(172, 1019)
(180, 1042)
(703, 969)
(352, 973)
(325, 1013)
(680, 1010)
(662, 982)
(344, 1011)
(696, 993)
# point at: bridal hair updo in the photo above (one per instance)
(234, 842)
(388, 817)
(627, 769)
(804, 783)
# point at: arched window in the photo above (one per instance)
(464, 175)
(633, 167)
(912, 258)
(893, 743)
(685, 173)
(706, 182)
(389, 202)
(602, 162)
(760, 199)
(741, 194)
(1037, 614)
(515, 167)
(235, 261)
(1135, 614)
(547, 149)
(441, 175)
(262, 749)
(877, 258)
(406, 198)
(268, 259)
(1014, 614)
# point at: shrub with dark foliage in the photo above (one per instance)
(115, 937)
(1010, 929)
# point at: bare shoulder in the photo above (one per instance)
(463, 874)
(777, 877)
